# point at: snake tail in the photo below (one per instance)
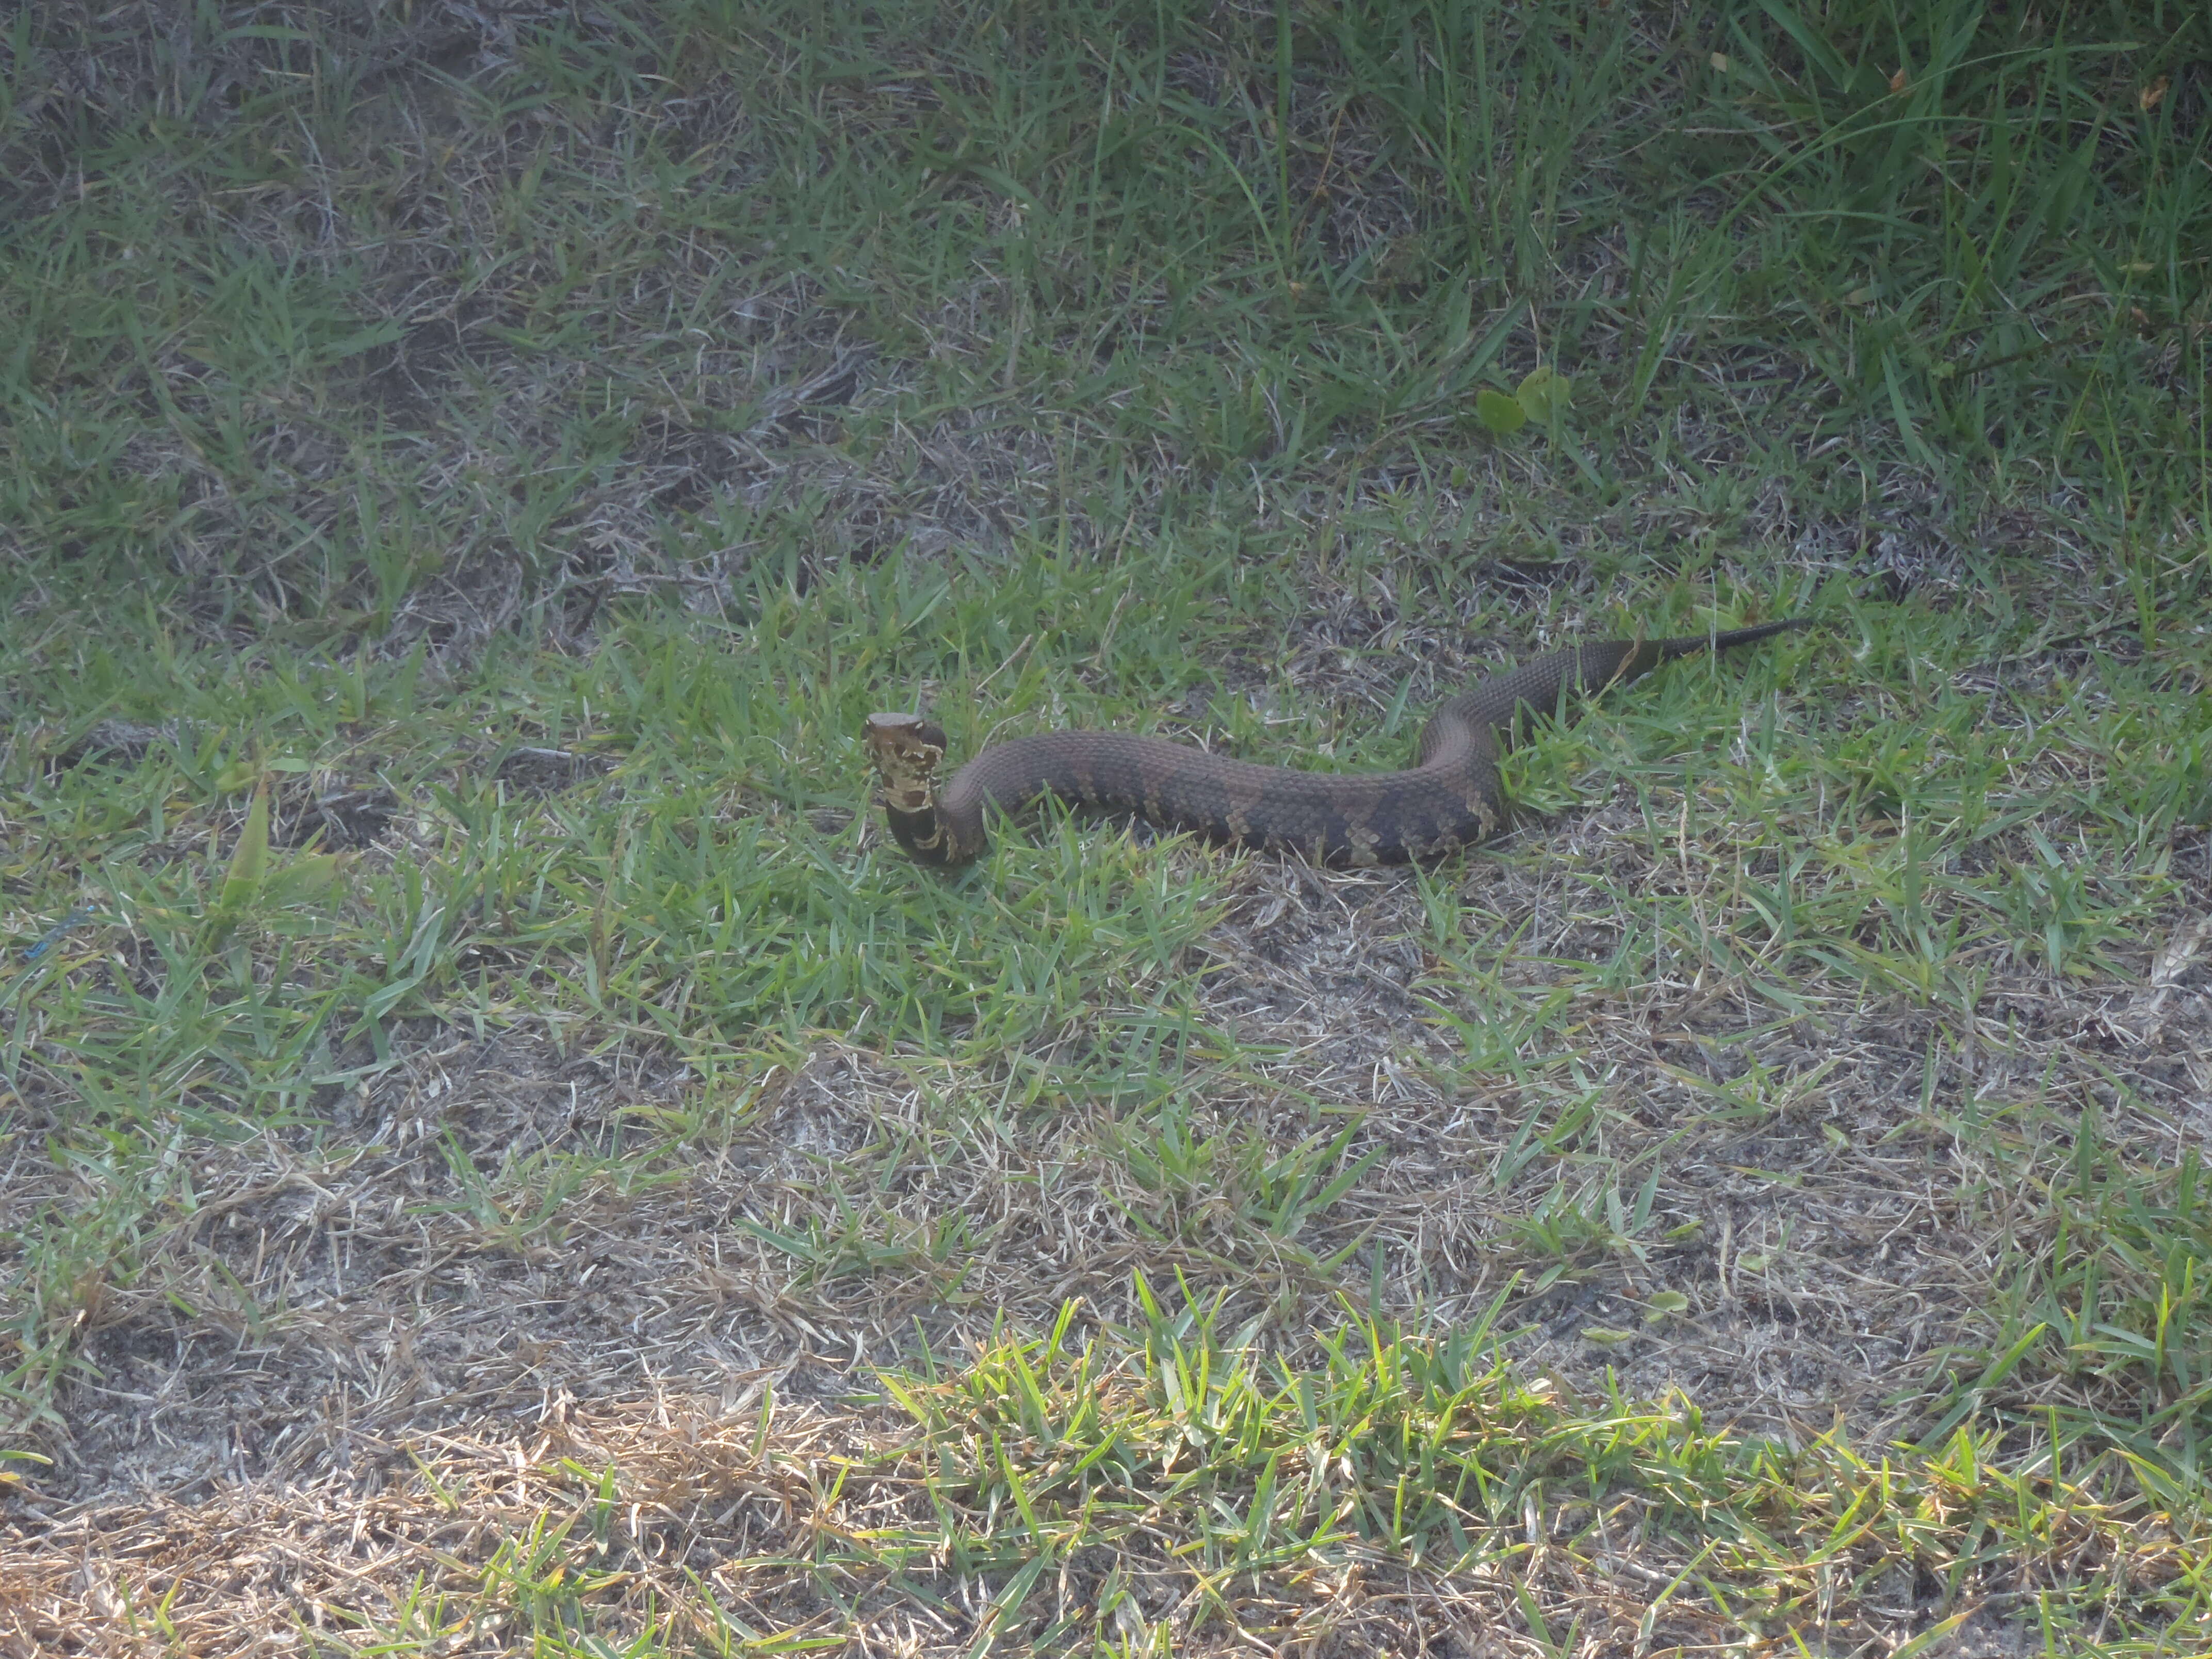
(1452, 796)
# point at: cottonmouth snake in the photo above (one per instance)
(1450, 798)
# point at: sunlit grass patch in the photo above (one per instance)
(1196, 1492)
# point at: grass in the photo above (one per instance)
(502, 1154)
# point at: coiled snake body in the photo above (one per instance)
(1451, 796)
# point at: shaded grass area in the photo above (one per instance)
(517, 454)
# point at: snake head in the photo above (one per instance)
(907, 751)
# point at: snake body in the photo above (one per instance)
(1451, 796)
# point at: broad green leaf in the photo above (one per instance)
(1543, 394)
(303, 879)
(249, 864)
(1665, 1305)
(1500, 413)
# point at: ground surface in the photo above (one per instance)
(502, 1154)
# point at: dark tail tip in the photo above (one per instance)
(1728, 637)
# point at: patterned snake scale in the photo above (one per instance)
(1451, 797)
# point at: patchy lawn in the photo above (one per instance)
(502, 1152)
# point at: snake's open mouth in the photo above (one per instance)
(907, 751)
